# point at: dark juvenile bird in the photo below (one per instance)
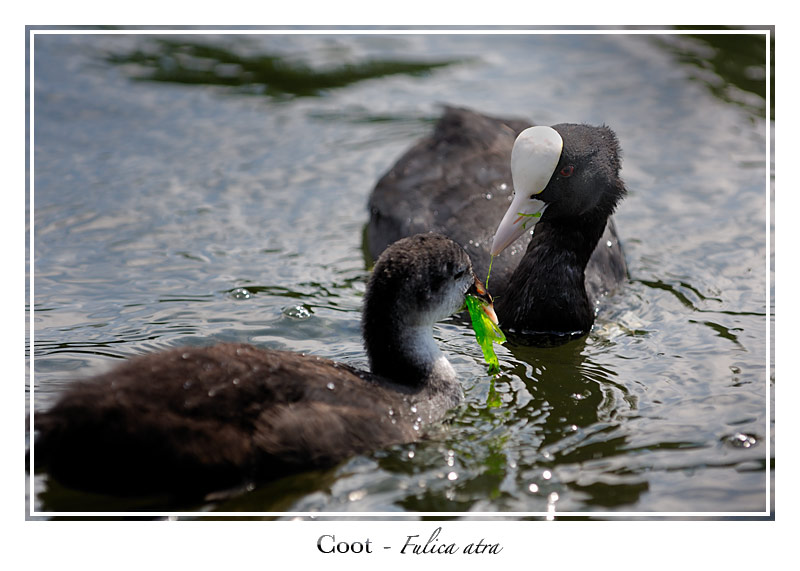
(489, 184)
(193, 420)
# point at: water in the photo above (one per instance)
(184, 197)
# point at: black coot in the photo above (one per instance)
(193, 420)
(464, 181)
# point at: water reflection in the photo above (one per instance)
(174, 61)
(580, 409)
(731, 66)
(560, 412)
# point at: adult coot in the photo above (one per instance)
(193, 420)
(564, 181)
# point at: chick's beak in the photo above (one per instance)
(477, 291)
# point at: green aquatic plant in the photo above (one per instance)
(493, 399)
(486, 332)
(532, 215)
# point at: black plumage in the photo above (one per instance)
(458, 182)
(193, 420)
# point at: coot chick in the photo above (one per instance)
(460, 182)
(189, 421)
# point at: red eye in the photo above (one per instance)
(567, 171)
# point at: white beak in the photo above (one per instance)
(534, 158)
(522, 215)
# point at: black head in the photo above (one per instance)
(416, 281)
(586, 179)
(420, 279)
(566, 171)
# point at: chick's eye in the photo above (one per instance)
(460, 273)
(567, 171)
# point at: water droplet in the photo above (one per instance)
(533, 488)
(452, 476)
(488, 195)
(187, 385)
(503, 186)
(410, 453)
(609, 243)
(330, 386)
(356, 495)
(297, 312)
(413, 408)
(235, 381)
(741, 440)
(185, 356)
(547, 474)
(241, 293)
